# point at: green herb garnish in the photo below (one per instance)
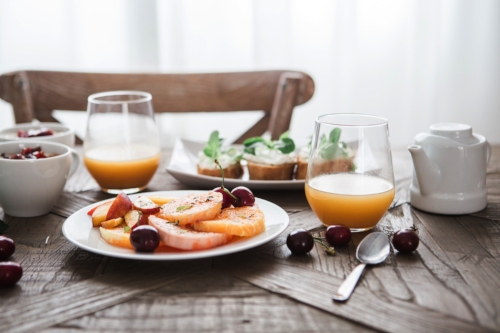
(183, 208)
(331, 148)
(214, 150)
(126, 229)
(283, 144)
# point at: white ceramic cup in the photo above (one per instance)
(31, 187)
(62, 133)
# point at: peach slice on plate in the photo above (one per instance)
(100, 213)
(146, 205)
(116, 236)
(112, 223)
(120, 206)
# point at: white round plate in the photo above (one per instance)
(78, 230)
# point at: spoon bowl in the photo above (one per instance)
(372, 250)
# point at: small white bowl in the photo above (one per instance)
(31, 187)
(62, 134)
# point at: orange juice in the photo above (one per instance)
(358, 201)
(122, 166)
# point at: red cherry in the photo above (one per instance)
(338, 235)
(7, 247)
(244, 196)
(405, 240)
(10, 273)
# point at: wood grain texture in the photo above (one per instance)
(48, 309)
(315, 288)
(210, 302)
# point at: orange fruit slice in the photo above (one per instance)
(243, 221)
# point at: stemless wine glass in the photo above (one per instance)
(122, 145)
(350, 179)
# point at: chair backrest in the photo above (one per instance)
(35, 94)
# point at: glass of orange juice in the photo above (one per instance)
(350, 178)
(121, 149)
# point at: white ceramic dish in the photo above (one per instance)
(62, 134)
(30, 187)
(78, 230)
(183, 167)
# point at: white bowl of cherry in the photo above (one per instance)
(52, 132)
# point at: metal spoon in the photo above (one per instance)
(372, 250)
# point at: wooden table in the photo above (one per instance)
(450, 284)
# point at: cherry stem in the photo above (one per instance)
(328, 249)
(223, 188)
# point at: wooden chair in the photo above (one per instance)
(35, 94)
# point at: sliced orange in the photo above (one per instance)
(160, 200)
(192, 208)
(116, 236)
(243, 221)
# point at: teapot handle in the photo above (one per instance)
(488, 152)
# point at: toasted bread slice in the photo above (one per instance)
(243, 221)
(259, 171)
(233, 171)
(301, 171)
(331, 166)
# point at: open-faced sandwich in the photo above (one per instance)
(229, 159)
(268, 159)
(334, 156)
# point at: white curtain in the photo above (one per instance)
(414, 62)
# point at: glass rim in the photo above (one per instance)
(381, 120)
(144, 97)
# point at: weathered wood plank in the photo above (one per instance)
(89, 296)
(210, 302)
(315, 288)
(455, 239)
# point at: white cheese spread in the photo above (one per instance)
(264, 155)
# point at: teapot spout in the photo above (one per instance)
(427, 173)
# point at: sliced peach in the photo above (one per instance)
(100, 213)
(121, 205)
(112, 223)
(146, 205)
(132, 217)
(116, 236)
(160, 200)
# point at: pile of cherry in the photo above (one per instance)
(301, 241)
(10, 272)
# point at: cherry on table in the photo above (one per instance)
(7, 247)
(10, 273)
(405, 240)
(300, 241)
(338, 235)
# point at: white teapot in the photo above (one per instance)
(449, 170)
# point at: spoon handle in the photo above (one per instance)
(346, 288)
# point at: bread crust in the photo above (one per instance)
(233, 171)
(301, 171)
(331, 166)
(259, 171)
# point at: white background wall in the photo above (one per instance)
(415, 62)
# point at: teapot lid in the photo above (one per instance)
(458, 132)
